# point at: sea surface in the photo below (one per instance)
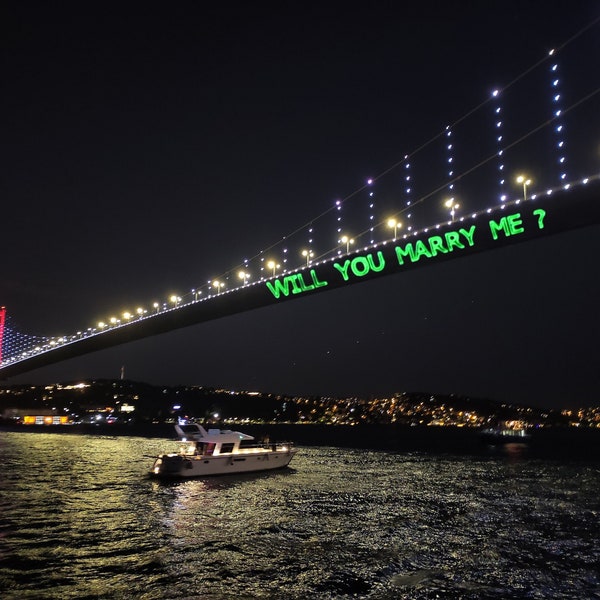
(80, 518)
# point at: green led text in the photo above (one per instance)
(509, 225)
(361, 265)
(355, 267)
(294, 284)
(436, 244)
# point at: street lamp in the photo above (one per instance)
(175, 300)
(156, 306)
(452, 205)
(395, 224)
(273, 265)
(525, 181)
(218, 285)
(308, 254)
(244, 275)
(346, 240)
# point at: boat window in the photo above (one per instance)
(226, 448)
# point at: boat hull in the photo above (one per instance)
(176, 466)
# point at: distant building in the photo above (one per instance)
(34, 416)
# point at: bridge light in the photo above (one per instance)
(101, 324)
(308, 254)
(452, 205)
(273, 266)
(392, 223)
(175, 299)
(218, 285)
(140, 311)
(346, 240)
(114, 320)
(127, 315)
(244, 275)
(522, 179)
(156, 306)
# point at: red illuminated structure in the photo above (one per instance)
(2, 318)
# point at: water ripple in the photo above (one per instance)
(79, 518)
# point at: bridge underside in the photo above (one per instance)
(561, 211)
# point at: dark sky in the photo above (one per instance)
(149, 148)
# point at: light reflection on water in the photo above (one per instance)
(79, 518)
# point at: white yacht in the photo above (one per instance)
(219, 452)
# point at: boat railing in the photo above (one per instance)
(275, 446)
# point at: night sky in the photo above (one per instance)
(149, 148)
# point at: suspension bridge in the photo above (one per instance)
(522, 165)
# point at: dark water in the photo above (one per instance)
(80, 519)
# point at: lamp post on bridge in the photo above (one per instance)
(308, 254)
(244, 275)
(452, 205)
(525, 181)
(347, 240)
(273, 266)
(395, 225)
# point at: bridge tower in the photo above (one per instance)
(2, 319)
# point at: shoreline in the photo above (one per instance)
(545, 443)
